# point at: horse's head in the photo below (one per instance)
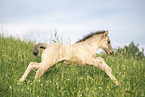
(106, 44)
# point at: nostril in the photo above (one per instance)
(111, 53)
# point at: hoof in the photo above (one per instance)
(117, 84)
(21, 80)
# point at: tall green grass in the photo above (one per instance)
(65, 80)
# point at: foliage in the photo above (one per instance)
(131, 51)
(65, 80)
(54, 38)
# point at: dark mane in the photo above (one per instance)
(90, 35)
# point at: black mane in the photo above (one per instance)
(90, 35)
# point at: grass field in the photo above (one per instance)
(67, 80)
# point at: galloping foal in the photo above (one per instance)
(81, 53)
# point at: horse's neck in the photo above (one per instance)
(93, 42)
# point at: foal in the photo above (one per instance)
(81, 53)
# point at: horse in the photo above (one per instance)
(82, 52)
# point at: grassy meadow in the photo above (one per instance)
(65, 80)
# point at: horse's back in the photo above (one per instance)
(73, 52)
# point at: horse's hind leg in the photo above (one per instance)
(42, 70)
(32, 65)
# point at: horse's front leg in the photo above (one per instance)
(100, 63)
(32, 65)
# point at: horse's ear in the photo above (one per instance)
(106, 33)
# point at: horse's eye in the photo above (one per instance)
(108, 41)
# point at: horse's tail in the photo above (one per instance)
(37, 46)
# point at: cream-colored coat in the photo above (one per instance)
(80, 53)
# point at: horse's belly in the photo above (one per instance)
(74, 63)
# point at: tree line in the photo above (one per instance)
(131, 50)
